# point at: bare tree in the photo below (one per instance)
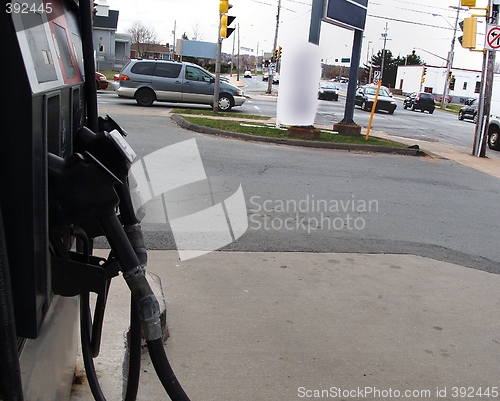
(197, 34)
(142, 38)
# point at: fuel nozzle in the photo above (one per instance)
(80, 189)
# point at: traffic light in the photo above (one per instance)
(450, 74)
(279, 53)
(469, 27)
(424, 71)
(225, 21)
(275, 56)
(224, 6)
(468, 3)
(452, 82)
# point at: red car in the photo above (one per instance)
(101, 81)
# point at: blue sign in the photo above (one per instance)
(350, 14)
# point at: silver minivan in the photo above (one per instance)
(148, 81)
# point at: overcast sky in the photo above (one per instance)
(423, 25)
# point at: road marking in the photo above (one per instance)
(257, 107)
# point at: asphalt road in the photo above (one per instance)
(296, 199)
(439, 127)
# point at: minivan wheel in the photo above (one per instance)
(145, 97)
(494, 139)
(475, 118)
(225, 102)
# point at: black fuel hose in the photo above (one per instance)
(134, 363)
(90, 334)
(10, 371)
(90, 86)
(146, 303)
(88, 361)
(164, 371)
(134, 357)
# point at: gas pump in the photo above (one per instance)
(64, 174)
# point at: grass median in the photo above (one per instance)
(271, 131)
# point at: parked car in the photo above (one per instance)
(265, 76)
(448, 99)
(247, 74)
(469, 111)
(328, 91)
(116, 82)
(148, 81)
(420, 101)
(101, 81)
(365, 96)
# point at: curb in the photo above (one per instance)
(409, 151)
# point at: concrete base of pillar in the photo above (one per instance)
(308, 132)
(347, 129)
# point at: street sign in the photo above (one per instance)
(345, 60)
(376, 75)
(492, 41)
(350, 14)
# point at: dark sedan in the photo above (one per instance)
(420, 101)
(365, 97)
(328, 91)
(469, 110)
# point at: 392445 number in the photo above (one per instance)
(25, 8)
(472, 392)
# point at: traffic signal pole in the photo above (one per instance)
(484, 106)
(271, 72)
(444, 101)
(217, 73)
(223, 33)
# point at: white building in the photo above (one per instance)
(466, 85)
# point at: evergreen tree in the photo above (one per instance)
(390, 66)
(410, 59)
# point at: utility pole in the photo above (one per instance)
(369, 61)
(384, 36)
(232, 57)
(484, 106)
(238, 63)
(275, 45)
(215, 107)
(444, 101)
(174, 44)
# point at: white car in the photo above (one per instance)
(247, 74)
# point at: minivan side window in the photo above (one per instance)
(195, 74)
(143, 68)
(168, 70)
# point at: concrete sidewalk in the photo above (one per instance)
(285, 326)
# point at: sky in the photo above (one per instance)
(423, 25)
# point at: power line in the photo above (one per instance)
(409, 22)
